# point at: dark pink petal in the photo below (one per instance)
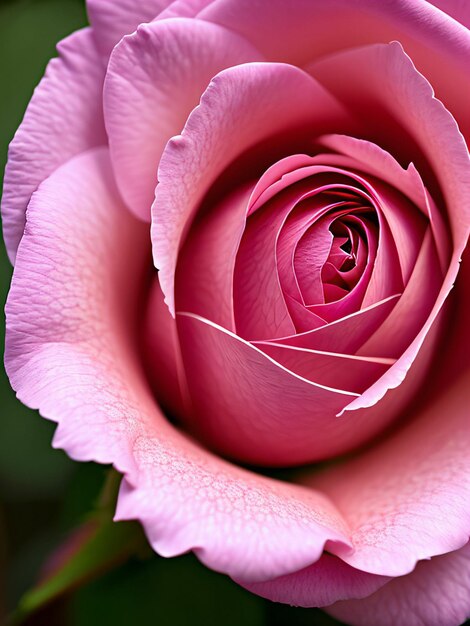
(72, 317)
(411, 490)
(204, 280)
(406, 320)
(384, 77)
(342, 371)
(241, 397)
(63, 119)
(259, 100)
(381, 84)
(434, 594)
(458, 9)
(154, 80)
(369, 158)
(162, 354)
(439, 46)
(328, 580)
(346, 335)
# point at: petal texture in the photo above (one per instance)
(72, 318)
(259, 100)
(434, 594)
(154, 80)
(112, 19)
(320, 584)
(438, 45)
(63, 119)
(420, 502)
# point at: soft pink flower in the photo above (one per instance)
(300, 174)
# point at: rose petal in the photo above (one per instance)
(381, 84)
(112, 19)
(64, 118)
(385, 77)
(163, 355)
(411, 490)
(328, 580)
(204, 282)
(439, 46)
(345, 335)
(183, 8)
(458, 9)
(259, 99)
(406, 320)
(435, 594)
(341, 371)
(154, 80)
(72, 314)
(241, 397)
(371, 159)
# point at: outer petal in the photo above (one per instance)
(63, 119)
(259, 100)
(72, 317)
(112, 19)
(326, 581)
(438, 45)
(154, 80)
(412, 490)
(434, 594)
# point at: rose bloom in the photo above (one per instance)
(299, 172)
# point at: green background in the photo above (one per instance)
(43, 494)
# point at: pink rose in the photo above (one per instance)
(302, 169)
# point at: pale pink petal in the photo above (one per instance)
(63, 119)
(439, 46)
(328, 580)
(155, 78)
(411, 490)
(183, 8)
(259, 100)
(434, 594)
(112, 19)
(72, 352)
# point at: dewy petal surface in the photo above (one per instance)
(72, 317)
(154, 80)
(260, 100)
(434, 594)
(63, 118)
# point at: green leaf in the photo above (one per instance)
(97, 546)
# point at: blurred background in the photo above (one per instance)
(43, 494)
